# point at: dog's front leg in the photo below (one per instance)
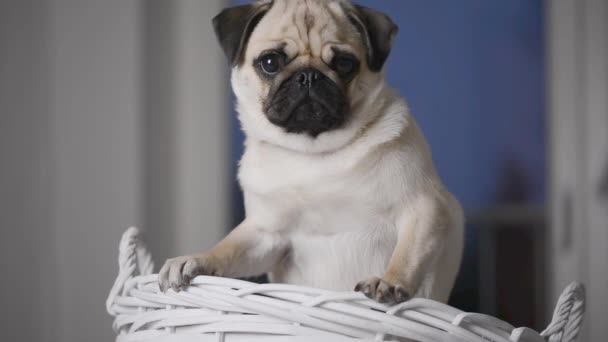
(246, 251)
(422, 236)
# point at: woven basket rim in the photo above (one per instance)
(221, 307)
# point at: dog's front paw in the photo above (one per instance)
(177, 273)
(383, 291)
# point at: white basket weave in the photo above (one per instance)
(226, 310)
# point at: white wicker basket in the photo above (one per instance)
(220, 309)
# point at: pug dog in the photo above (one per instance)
(340, 189)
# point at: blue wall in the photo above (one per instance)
(472, 71)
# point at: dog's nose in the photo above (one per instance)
(307, 77)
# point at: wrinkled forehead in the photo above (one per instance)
(305, 27)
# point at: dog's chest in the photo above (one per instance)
(340, 230)
(337, 261)
(319, 196)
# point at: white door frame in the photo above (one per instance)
(577, 79)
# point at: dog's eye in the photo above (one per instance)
(344, 65)
(271, 63)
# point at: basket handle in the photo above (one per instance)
(568, 315)
(133, 259)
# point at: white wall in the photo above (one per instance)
(25, 214)
(77, 143)
(201, 107)
(577, 51)
(187, 124)
(96, 154)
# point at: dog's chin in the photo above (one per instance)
(310, 117)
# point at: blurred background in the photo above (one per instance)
(117, 113)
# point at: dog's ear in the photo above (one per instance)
(233, 27)
(378, 31)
